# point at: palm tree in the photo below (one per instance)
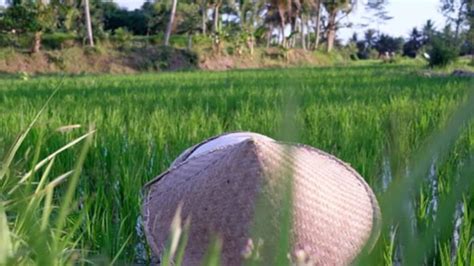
(170, 22)
(333, 7)
(282, 8)
(203, 8)
(317, 22)
(428, 31)
(43, 18)
(370, 38)
(87, 12)
(216, 4)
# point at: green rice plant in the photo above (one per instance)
(380, 119)
(174, 251)
(32, 229)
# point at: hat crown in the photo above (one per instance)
(335, 213)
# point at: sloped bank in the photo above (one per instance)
(76, 60)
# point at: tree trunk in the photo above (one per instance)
(204, 20)
(308, 40)
(317, 25)
(251, 43)
(190, 41)
(216, 18)
(170, 23)
(283, 38)
(269, 36)
(282, 24)
(241, 18)
(331, 35)
(293, 29)
(36, 46)
(303, 23)
(87, 12)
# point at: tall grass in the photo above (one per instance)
(377, 118)
(32, 219)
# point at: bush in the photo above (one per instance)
(123, 37)
(368, 54)
(442, 54)
(7, 53)
(179, 41)
(58, 40)
(6, 40)
(96, 50)
(162, 58)
(444, 49)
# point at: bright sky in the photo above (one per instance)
(407, 14)
(130, 4)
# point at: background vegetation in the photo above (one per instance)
(231, 27)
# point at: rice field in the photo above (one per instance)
(410, 136)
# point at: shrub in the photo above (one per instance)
(200, 39)
(123, 37)
(180, 41)
(369, 53)
(58, 40)
(444, 49)
(57, 60)
(6, 40)
(96, 50)
(7, 53)
(442, 54)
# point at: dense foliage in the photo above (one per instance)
(245, 23)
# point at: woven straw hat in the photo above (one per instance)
(218, 182)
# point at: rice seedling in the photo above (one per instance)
(393, 125)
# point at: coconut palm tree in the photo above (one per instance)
(333, 7)
(87, 12)
(216, 6)
(170, 22)
(282, 8)
(203, 6)
(428, 31)
(317, 22)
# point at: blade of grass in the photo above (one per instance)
(65, 206)
(119, 252)
(5, 240)
(183, 243)
(50, 157)
(13, 150)
(213, 254)
(174, 237)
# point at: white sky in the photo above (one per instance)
(407, 14)
(130, 4)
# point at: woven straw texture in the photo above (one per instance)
(335, 213)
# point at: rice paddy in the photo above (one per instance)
(390, 123)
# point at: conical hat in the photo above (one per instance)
(218, 182)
